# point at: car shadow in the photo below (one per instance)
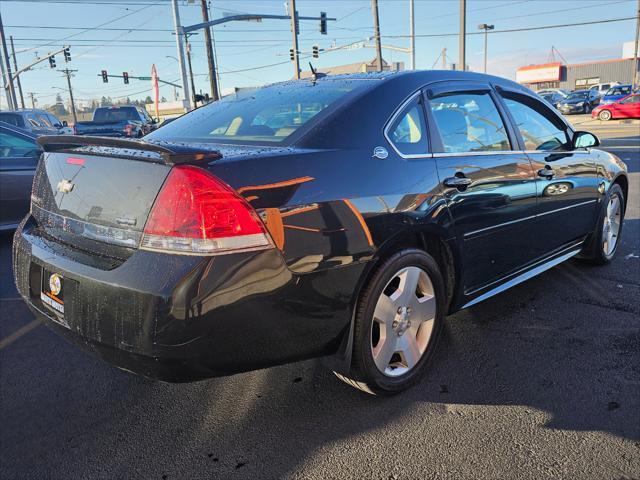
(562, 347)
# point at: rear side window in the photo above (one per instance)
(408, 132)
(469, 122)
(539, 130)
(631, 99)
(12, 145)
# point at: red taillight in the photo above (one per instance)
(196, 213)
(128, 130)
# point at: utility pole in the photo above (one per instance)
(486, 28)
(186, 96)
(636, 80)
(412, 34)
(376, 32)
(193, 86)
(15, 65)
(294, 31)
(463, 36)
(33, 100)
(444, 58)
(213, 78)
(68, 73)
(11, 93)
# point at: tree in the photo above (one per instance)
(58, 109)
(59, 99)
(163, 99)
(148, 100)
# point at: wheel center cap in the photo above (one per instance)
(403, 322)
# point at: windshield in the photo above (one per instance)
(577, 95)
(264, 116)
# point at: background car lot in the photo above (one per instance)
(539, 382)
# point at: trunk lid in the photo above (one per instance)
(82, 198)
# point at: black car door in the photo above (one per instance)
(567, 179)
(489, 185)
(19, 155)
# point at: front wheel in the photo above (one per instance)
(397, 325)
(604, 115)
(606, 237)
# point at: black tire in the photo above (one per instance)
(364, 374)
(604, 115)
(595, 252)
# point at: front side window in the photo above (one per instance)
(12, 119)
(469, 122)
(408, 132)
(538, 130)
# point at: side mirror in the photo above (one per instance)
(155, 120)
(584, 140)
(64, 123)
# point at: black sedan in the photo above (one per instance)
(579, 101)
(340, 216)
(19, 154)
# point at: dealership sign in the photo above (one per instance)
(549, 72)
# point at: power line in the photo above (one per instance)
(544, 27)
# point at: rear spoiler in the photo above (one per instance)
(170, 155)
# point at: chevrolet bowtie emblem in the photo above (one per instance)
(65, 186)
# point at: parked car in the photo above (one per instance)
(117, 121)
(616, 93)
(603, 88)
(19, 155)
(553, 98)
(219, 244)
(558, 91)
(627, 107)
(39, 122)
(580, 101)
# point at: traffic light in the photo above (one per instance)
(52, 61)
(125, 77)
(105, 77)
(67, 55)
(323, 23)
(291, 55)
(316, 51)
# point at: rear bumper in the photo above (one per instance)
(183, 318)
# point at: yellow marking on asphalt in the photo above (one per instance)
(5, 342)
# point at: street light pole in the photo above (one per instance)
(12, 101)
(412, 35)
(68, 72)
(186, 96)
(486, 28)
(213, 78)
(462, 41)
(15, 65)
(636, 82)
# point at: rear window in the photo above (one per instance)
(115, 114)
(265, 116)
(12, 119)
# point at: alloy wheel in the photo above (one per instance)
(403, 321)
(611, 225)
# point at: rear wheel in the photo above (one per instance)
(398, 322)
(609, 227)
(604, 115)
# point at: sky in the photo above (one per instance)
(118, 36)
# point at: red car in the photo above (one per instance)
(627, 107)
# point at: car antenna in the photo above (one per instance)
(315, 74)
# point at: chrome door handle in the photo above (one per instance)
(457, 182)
(546, 172)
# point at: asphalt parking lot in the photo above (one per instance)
(542, 381)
